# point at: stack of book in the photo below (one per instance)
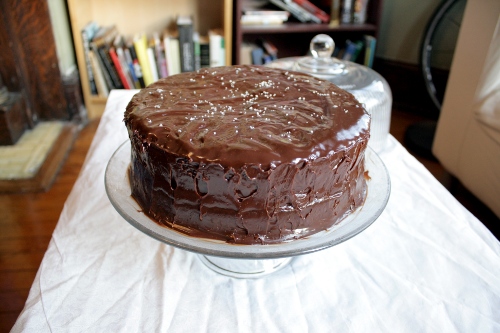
(340, 11)
(260, 53)
(264, 17)
(114, 61)
(361, 51)
(350, 11)
(303, 10)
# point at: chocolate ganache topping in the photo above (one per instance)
(247, 154)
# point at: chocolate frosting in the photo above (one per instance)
(241, 114)
(247, 154)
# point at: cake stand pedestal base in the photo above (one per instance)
(244, 268)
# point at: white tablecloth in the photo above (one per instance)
(425, 265)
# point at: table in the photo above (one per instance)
(425, 265)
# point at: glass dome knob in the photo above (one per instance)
(322, 46)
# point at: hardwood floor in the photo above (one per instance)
(28, 220)
(26, 225)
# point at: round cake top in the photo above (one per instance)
(239, 115)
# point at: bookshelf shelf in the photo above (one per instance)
(291, 28)
(132, 17)
(293, 38)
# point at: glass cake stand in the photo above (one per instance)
(246, 261)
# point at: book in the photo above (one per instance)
(141, 45)
(309, 17)
(150, 52)
(197, 51)
(186, 45)
(264, 17)
(109, 67)
(87, 33)
(137, 65)
(265, 12)
(246, 53)
(314, 10)
(101, 86)
(335, 13)
(122, 64)
(257, 56)
(352, 50)
(359, 11)
(217, 48)
(104, 35)
(204, 52)
(370, 45)
(161, 62)
(130, 63)
(101, 43)
(346, 11)
(118, 66)
(125, 66)
(172, 53)
(293, 10)
(270, 49)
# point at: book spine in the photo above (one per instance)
(285, 6)
(152, 63)
(217, 50)
(137, 67)
(359, 11)
(102, 88)
(204, 52)
(161, 62)
(118, 66)
(314, 10)
(257, 56)
(197, 51)
(270, 49)
(246, 54)
(88, 66)
(186, 47)
(98, 59)
(130, 64)
(335, 13)
(172, 55)
(141, 46)
(302, 11)
(346, 11)
(110, 68)
(370, 45)
(125, 67)
(352, 50)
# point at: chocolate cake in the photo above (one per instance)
(247, 154)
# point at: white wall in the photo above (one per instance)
(62, 36)
(402, 27)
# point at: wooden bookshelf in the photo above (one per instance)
(132, 17)
(293, 38)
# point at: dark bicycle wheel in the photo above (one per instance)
(438, 47)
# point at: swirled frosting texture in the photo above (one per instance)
(247, 154)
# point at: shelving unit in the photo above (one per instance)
(132, 17)
(293, 38)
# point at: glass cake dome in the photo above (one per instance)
(369, 87)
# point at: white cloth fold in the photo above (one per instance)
(425, 265)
